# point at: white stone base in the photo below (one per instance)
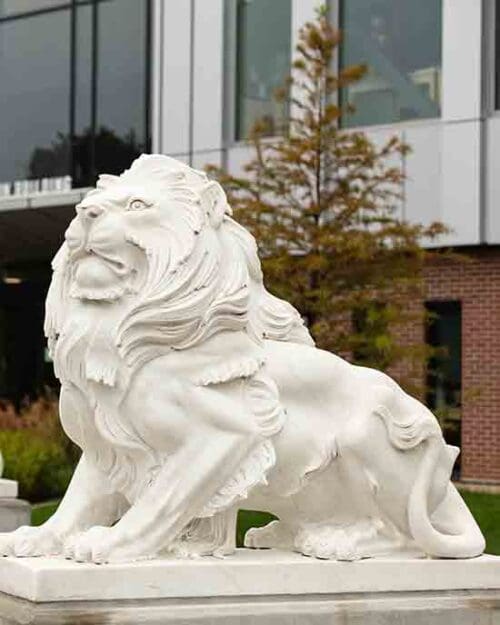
(252, 588)
(480, 607)
(8, 488)
(248, 573)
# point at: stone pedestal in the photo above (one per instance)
(8, 488)
(253, 587)
(13, 513)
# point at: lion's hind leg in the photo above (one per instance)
(364, 538)
(274, 535)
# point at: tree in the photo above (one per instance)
(322, 202)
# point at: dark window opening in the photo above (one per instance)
(444, 367)
(25, 368)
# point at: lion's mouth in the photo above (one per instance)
(100, 276)
(117, 265)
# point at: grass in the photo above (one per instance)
(484, 506)
(40, 512)
(486, 510)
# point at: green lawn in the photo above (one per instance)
(485, 508)
(43, 511)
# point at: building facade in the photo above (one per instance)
(89, 84)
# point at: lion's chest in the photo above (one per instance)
(85, 351)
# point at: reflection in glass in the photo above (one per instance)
(263, 63)
(34, 71)
(121, 83)
(82, 144)
(400, 42)
(73, 107)
(15, 7)
(83, 68)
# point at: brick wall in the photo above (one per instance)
(475, 281)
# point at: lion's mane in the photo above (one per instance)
(203, 273)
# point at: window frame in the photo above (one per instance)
(490, 60)
(74, 6)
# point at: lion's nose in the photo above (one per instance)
(92, 212)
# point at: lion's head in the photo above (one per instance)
(158, 242)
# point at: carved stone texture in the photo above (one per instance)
(192, 391)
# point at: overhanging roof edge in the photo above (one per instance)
(42, 200)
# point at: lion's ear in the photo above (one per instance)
(215, 203)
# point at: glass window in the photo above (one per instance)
(82, 143)
(121, 84)
(263, 63)
(83, 69)
(34, 106)
(400, 42)
(74, 90)
(444, 369)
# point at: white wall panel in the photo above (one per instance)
(302, 11)
(175, 80)
(423, 173)
(202, 159)
(238, 156)
(461, 182)
(156, 74)
(208, 74)
(380, 136)
(492, 198)
(461, 47)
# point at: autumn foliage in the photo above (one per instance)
(322, 202)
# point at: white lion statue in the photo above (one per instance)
(192, 391)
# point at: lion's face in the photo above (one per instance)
(105, 262)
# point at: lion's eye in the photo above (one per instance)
(137, 205)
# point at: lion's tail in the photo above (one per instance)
(469, 542)
(416, 426)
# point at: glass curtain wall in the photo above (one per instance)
(75, 87)
(400, 42)
(262, 63)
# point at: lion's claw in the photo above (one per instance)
(29, 542)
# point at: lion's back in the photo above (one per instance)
(308, 376)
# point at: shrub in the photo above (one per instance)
(40, 466)
(36, 451)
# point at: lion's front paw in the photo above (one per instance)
(93, 545)
(30, 542)
(102, 545)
